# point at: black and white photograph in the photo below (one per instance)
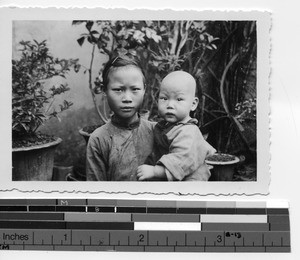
(149, 129)
(178, 101)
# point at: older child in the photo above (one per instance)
(179, 147)
(115, 149)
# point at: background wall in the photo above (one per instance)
(61, 38)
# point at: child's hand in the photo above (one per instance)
(145, 172)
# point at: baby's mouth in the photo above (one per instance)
(169, 114)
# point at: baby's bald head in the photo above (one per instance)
(177, 97)
(180, 80)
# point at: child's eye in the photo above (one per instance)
(162, 98)
(117, 89)
(136, 89)
(180, 99)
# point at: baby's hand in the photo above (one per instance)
(145, 172)
(210, 150)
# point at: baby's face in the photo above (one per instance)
(176, 100)
(125, 92)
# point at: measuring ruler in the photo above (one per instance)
(144, 225)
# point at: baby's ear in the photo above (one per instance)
(195, 104)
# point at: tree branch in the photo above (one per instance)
(102, 117)
(235, 122)
(175, 39)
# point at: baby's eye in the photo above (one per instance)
(117, 89)
(179, 99)
(136, 89)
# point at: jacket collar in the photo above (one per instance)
(122, 124)
(165, 124)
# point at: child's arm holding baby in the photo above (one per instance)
(184, 157)
(148, 172)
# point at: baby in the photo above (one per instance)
(179, 148)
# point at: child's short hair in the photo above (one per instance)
(118, 61)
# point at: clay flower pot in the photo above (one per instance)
(86, 132)
(34, 163)
(144, 113)
(60, 173)
(223, 166)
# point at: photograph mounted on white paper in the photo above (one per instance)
(137, 102)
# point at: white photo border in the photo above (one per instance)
(261, 186)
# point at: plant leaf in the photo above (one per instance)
(81, 40)
(76, 22)
(89, 25)
(94, 32)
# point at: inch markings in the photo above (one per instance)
(67, 239)
(142, 225)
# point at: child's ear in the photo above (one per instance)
(195, 104)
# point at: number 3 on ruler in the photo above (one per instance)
(219, 238)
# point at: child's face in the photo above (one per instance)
(176, 100)
(125, 92)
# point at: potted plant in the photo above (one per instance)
(32, 105)
(223, 166)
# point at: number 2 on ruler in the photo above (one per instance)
(141, 238)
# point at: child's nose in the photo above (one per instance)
(127, 97)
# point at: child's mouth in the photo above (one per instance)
(126, 109)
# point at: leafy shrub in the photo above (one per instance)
(246, 110)
(32, 105)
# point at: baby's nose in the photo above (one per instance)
(170, 104)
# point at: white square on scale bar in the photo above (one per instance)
(167, 226)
